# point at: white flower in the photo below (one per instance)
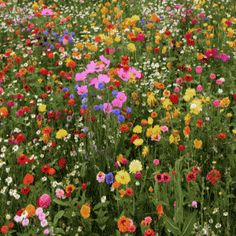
(103, 199)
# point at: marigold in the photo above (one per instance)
(85, 211)
(197, 143)
(61, 133)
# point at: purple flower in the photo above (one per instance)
(109, 178)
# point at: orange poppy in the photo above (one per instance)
(28, 179)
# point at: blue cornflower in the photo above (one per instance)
(109, 178)
(121, 118)
(116, 112)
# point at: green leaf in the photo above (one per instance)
(59, 231)
(61, 203)
(58, 216)
(170, 225)
(188, 226)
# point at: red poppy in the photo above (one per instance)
(28, 179)
(62, 162)
(22, 159)
(174, 98)
(25, 190)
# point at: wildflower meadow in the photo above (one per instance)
(117, 117)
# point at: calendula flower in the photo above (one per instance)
(61, 133)
(131, 47)
(122, 177)
(85, 211)
(138, 142)
(135, 166)
(42, 108)
(197, 143)
(137, 129)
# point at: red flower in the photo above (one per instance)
(174, 98)
(188, 78)
(25, 190)
(222, 135)
(84, 186)
(214, 176)
(191, 176)
(45, 169)
(181, 147)
(28, 179)
(4, 229)
(62, 162)
(133, 137)
(22, 159)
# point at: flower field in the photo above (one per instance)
(117, 117)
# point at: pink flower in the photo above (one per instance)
(47, 12)
(177, 90)
(156, 162)
(194, 204)
(107, 107)
(198, 69)
(124, 75)
(219, 81)
(121, 96)
(38, 211)
(105, 60)
(82, 89)
(212, 76)
(81, 76)
(60, 193)
(148, 220)
(100, 177)
(44, 223)
(164, 128)
(25, 222)
(44, 201)
(179, 81)
(216, 103)
(199, 88)
(46, 231)
(117, 103)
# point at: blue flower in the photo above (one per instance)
(128, 109)
(109, 178)
(114, 93)
(121, 118)
(116, 112)
(96, 107)
(101, 86)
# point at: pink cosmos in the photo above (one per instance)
(117, 103)
(82, 89)
(107, 107)
(212, 76)
(199, 88)
(136, 73)
(60, 193)
(102, 78)
(216, 103)
(91, 67)
(44, 201)
(198, 69)
(105, 60)
(124, 75)
(81, 76)
(121, 96)
(47, 12)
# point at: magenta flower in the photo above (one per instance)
(81, 76)
(82, 89)
(44, 201)
(47, 12)
(107, 107)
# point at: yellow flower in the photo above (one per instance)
(151, 100)
(189, 93)
(42, 108)
(138, 142)
(197, 143)
(122, 177)
(61, 133)
(137, 129)
(167, 104)
(145, 151)
(150, 120)
(135, 166)
(225, 102)
(131, 47)
(85, 211)
(196, 106)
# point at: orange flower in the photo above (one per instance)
(123, 224)
(30, 210)
(85, 211)
(187, 131)
(160, 211)
(3, 112)
(28, 179)
(159, 85)
(47, 130)
(70, 188)
(116, 185)
(153, 114)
